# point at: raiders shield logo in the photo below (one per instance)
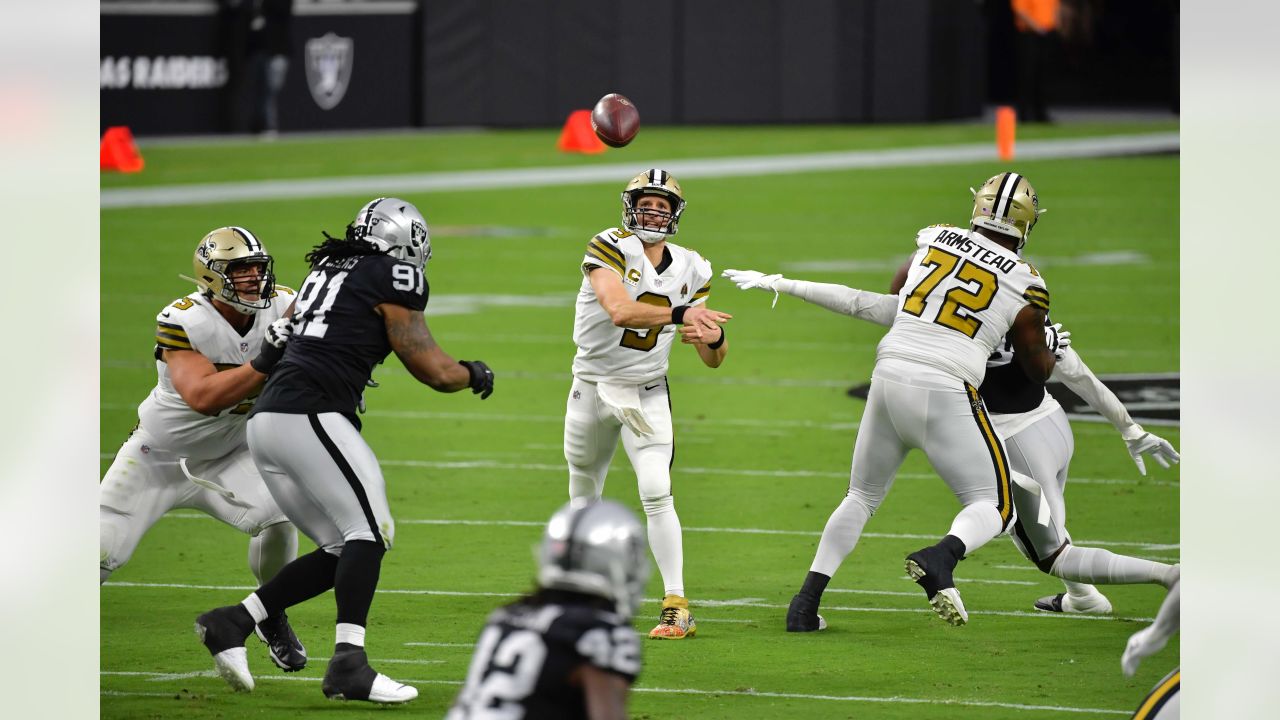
(328, 61)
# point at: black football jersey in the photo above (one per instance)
(337, 335)
(1006, 388)
(526, 653)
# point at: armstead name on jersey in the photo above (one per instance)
(977, 253)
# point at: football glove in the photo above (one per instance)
(273, 343)
(748, 279)
(1141, 443)
(1057, 339)
(481, 378)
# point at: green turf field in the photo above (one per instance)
(763, 443)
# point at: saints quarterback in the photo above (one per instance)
(637, 288)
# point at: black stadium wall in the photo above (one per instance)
(177, 66)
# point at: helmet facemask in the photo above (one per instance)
(1006, 204)
(657, 183)
(223, 264)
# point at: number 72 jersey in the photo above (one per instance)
(961, 296)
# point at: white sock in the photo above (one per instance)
(255, 608)
(840, 535)
(1079, 589)
(666, 542)
(272, 549)
(1095, 565)
(351, 634)
(975, 525)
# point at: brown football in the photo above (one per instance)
(615, 120)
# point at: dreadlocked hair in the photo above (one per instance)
(352, 245)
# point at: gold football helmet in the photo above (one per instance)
(221, 255)
(652, 182)
(1008, 205)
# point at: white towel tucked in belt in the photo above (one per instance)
(624, 401)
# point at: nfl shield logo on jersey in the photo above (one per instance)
(328, 62)
(244, 347)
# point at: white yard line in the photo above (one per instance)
(737, 693)
(732, 603)
(188, 515)
(461, 181)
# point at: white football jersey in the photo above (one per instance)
(608, 353)
(961, 296)
(193, 323)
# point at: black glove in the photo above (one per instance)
(481, 377)
(273, 344)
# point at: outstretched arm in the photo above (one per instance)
(412, 342)
(861, 304)
(1072, 372)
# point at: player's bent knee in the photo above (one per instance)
(658, 505)
(1049, 565)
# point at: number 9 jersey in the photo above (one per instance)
(338, 336)
(961, 297)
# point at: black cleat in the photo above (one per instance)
(349, 677)
(223, 632)
(286, 650)
(802, 615)
(931, 569)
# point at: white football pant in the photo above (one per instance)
(909, 407)
(591, 432)
(145, 481)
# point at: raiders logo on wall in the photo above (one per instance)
(328, 60)
(1150, 398)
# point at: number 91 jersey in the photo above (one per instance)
(338, 336)
(961, 297)
(527, 654)
(608, 353)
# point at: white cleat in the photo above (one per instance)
(233, 666)
(386, 690)
(949, 607)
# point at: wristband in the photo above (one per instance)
(677, 314)
(716, 345)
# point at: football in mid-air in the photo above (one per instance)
(615, 120)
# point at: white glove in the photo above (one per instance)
(748, 279)
(1057, 339)
(1142, 443)
(279, 332)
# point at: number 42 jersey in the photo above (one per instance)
(527, 653)
(961, 296)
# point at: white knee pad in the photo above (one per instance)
(658, 505)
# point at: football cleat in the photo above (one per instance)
(223, 632)
(286, 650)
(931, 569)
(676, 622)
(1094, 604)
(802, 615)
(349, 677)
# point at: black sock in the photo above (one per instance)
(356, 579)
(299, 581)
(954, 546)
(814, 584)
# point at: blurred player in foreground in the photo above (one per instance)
(1164, 701)
(567, 650)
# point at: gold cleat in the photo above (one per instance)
(676, 621)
